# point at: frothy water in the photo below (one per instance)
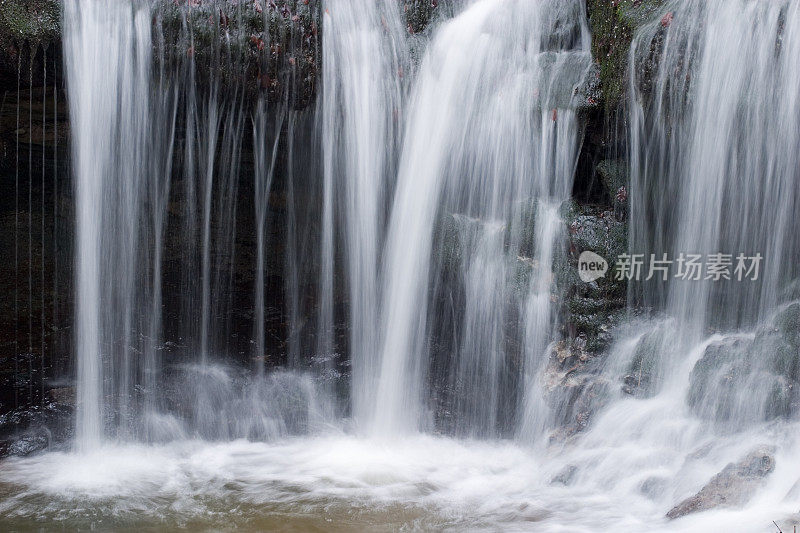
(339, 482)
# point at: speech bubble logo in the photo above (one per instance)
(591, 266)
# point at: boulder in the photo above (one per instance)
(734, 485)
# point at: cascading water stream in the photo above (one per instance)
(363, 64)
(505, 141)
(728, 157)
(108, 102)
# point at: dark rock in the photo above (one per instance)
(592, 309)
(613, 175)
(733, 486)
(65, 396)
(419, 14)
(28, 28)
(25, 431)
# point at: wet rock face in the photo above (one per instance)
(734, 485)
(746, 379)
(28, 430)
(30, 42)
(642, 376)
(258, 47)
(30, 19)
(573, 388)
(592, 309)
(419, 14)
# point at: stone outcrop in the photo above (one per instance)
(734, 485)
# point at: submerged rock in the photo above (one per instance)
(565, 476)
(734, 485)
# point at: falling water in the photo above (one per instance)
(505, 140)
(363, 64)
(108, 99)
(715, 129)
(263, 171)
(727, 159)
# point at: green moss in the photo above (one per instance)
(613, 23)
(33, 20)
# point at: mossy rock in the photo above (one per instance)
(31, 20)
(258, 48)
(613, 24)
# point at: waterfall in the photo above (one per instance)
(363, 63)
(714, 170)
(331, 279)
(405, 182)
(506, 139)
(713, 127)
(109, 93)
